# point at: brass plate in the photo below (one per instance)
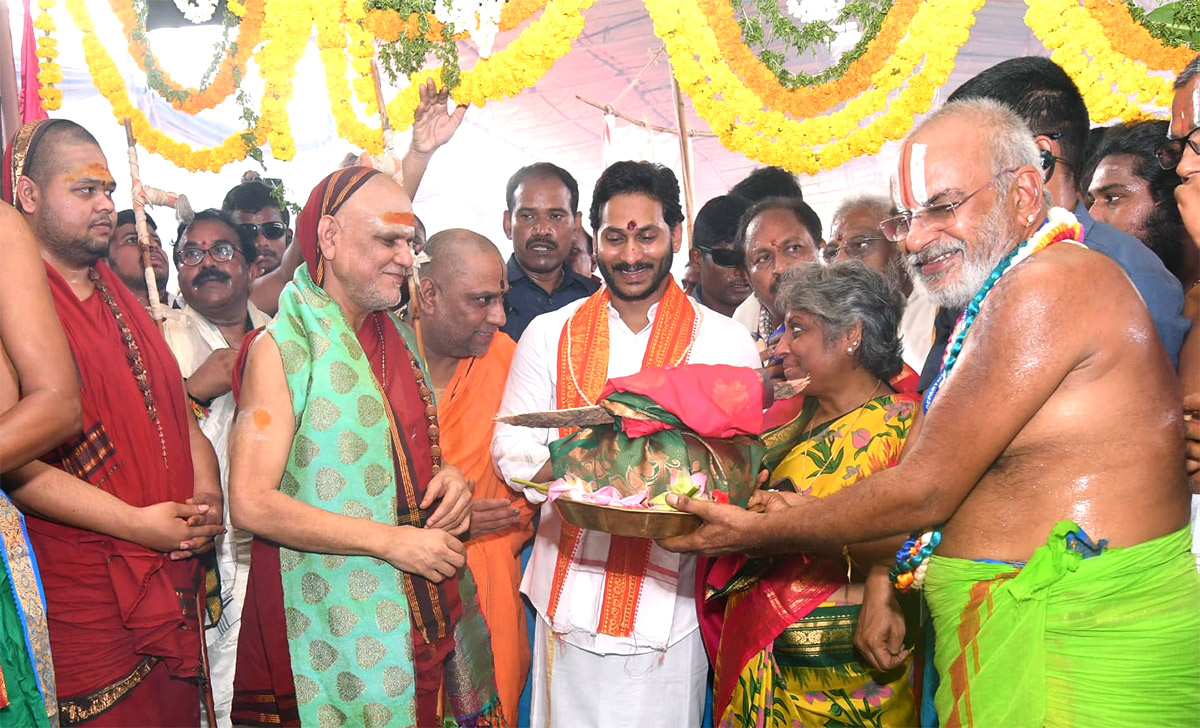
(638, 523)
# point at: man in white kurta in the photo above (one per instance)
(651, 670)
(204, 337)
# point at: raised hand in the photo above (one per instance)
(434, 124)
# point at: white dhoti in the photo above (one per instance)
(582, 689)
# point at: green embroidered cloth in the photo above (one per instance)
(604, 455)
(348, 620)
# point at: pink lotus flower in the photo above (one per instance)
(860, 438)
(872, 694)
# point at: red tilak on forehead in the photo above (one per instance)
(906, 192)
(631, 225)
(399, 218)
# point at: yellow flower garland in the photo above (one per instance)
(49, 72)
(738, 117)
(507, 72)
(331, 40)
(287, 27)
(806, 101)
(109, 83)
(1131, 39)
(1078, 44)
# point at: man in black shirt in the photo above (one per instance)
(542, 215)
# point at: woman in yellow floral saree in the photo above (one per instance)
(785, 651)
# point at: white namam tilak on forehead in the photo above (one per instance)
(916, 173)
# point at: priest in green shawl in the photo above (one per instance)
(358, 608)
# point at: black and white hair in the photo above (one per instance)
(1190, 71)
(1009, 138)
(878, 205)
(848, 293)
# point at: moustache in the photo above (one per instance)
(541, 240)
(632, 267)
(210, 274)
(931, 252)
(774, 287)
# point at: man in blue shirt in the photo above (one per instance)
(541, 219)
(1047, 99)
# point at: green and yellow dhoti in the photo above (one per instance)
(1067, 640)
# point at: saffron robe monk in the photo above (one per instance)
(118, 512)
(462, 308)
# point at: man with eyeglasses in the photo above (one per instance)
(722, 284)
(1181, 152)
(1046, 472)
(215, 257)
(854, 234)
(125, 259)
(256, 210)
(1047, 99)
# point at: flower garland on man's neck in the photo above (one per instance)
(912, 560)
(1079, 45)
(737, 116)
(806, 101)
(232, 63)
(109, 83)
(1131, 39)
(49, 72)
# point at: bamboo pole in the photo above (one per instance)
(685, 157)
(143, 232)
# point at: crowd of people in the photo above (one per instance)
(282, 496)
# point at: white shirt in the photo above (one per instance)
(192, 338)
(749, 314)
(519, 452)
(916, 328)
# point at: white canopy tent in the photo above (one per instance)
(465, 183)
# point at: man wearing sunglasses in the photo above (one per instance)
(1047, 99)
(256, 211)
(723, 284)
(215, 258)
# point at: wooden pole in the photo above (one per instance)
(685, 158)
(143, 232)
(608, 109)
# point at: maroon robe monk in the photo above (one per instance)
(115, 539)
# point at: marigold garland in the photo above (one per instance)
(362, 52)
(737, 115)
(109, 83)
(1131, 39)
(1078, 44)
(507, 72)
(331, 41)
(286, 22)
(389, 26)
(805, 101)
(232, 66)
(49, 72)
